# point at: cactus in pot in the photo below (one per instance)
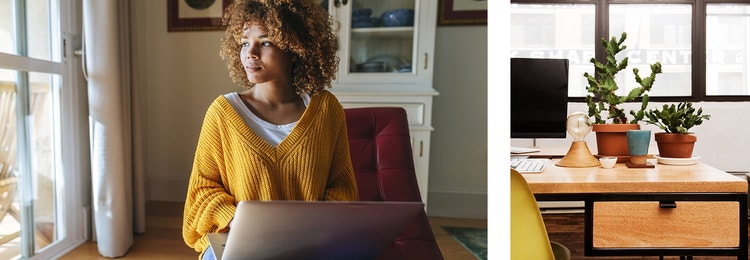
(676, 120)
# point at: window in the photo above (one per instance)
(727, 61)
(656, 32)
(39, 130)
(704, 55)
(556, 31)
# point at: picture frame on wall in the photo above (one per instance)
(462, 12)
(195, 15)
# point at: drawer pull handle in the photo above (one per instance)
(668, 204)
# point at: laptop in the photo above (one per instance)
(313, 230)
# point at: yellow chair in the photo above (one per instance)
(528, 235)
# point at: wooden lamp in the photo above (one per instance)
(579, 155)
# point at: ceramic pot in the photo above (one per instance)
(611, 140)
(638, 141)
(675, 145)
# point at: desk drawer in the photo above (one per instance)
(646, 224)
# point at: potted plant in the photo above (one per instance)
(676, 120)
(604, 103)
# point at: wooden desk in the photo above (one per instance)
(667, 210)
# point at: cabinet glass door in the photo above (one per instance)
(377, 40)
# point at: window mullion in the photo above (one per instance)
(699, 50)
(602, 28)
(22, 137)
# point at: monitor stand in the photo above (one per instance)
(523, 150)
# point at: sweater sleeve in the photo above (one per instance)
(208, 206)
(342, 184)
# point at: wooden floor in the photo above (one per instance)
(568, 230)
(163, 237)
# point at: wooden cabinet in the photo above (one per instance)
(384, 64)
(374, 53)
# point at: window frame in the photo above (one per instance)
(74, 185)
(698, 39)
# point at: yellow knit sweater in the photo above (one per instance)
(233, 164)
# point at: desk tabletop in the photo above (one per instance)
(620, 179)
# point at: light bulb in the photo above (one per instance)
(578, 125)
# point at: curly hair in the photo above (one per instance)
(299, 27)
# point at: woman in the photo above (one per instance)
(282, 138)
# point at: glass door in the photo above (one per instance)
(378, 40)
(38, 201)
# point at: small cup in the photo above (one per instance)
(608, 162)
(638, 141)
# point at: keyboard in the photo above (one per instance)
(520, 150)
(529, 165)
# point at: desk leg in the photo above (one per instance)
(588, 223)
(743, 228)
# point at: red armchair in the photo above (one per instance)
(380, 149)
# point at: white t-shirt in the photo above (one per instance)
(272, 133)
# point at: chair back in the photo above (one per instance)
(8, 179)
(528, 235)
(8, 153)
(381, 153)
(8, 116)
(7, 129)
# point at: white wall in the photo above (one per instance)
(178, 74)
(458, 158)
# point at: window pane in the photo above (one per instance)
(655, 33)
(6, 28)
(44, 149)
(727, 61)
(9, 227)
(43, 36)
(556, 31)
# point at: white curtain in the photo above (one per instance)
(117, 183)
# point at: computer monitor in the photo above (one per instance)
(538, 97)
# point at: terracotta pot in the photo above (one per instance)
(675, 145)
(611, 140)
